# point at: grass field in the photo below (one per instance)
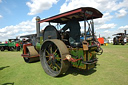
(112, 69)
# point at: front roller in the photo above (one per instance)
(52, 57)
(30, 54)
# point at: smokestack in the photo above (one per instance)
(125, 32)
(38, 28)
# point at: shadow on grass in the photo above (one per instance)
(76, 71)
(1, 68)
(8, 83)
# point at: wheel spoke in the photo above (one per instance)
(47, 52)
(48, 61)
(57, 58)
(56, 69)
(50, 65)
(47, 56)
(57, 65)
(55, 51)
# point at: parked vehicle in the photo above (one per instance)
(101, 40)
(120, 38)
(11, 45)
(57, 50)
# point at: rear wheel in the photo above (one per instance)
(122, 42)
(11, 48)
(8, 49)
(2, 49)
(114, 41)
(51, 57)
(18, 48)
(117, 42)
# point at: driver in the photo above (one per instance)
(74, 27)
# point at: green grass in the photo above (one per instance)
(112, 69)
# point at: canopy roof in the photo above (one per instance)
(90, 13)
(28, 36)
(13, 39)
(119, 34)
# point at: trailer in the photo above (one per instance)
(57, 50)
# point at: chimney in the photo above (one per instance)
(125, 32)
(38, 28)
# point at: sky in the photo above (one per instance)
(17, 17)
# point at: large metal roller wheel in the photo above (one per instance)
(30, 60)
(52, 53)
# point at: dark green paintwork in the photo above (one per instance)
(79, 53)
(4, 44)
(38, 46)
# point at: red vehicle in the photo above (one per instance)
(101, 40)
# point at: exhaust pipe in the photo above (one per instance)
(125, 32)
(38, 29)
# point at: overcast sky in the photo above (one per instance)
(17, 17)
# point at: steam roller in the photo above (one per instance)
(54, 47)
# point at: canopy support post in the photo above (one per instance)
(84, 26)
(92, 23)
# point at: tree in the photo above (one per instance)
(108, 38)
(104, 38)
